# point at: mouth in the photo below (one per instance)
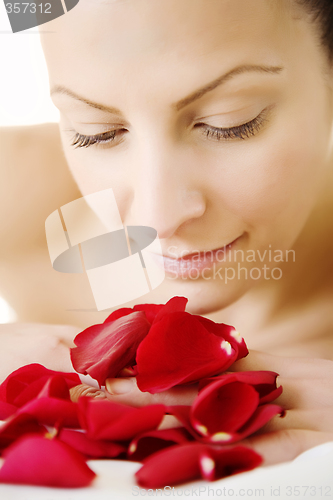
(196, 262)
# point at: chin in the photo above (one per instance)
(204, 297)
(209, 304)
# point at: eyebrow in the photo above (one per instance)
(60, 89)
(197, 94)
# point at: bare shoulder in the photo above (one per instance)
(35, 181)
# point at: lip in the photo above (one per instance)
(194, 262)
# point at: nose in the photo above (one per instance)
(165, 195)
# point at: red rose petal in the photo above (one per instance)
(52, 412)
(52, 405)
(16, 426)
(119, 313)
(91, 448)
(227, 409)
(6, 410)
(173, 465)
(223, 408)
(24, 384)
(262, 415)
(150, 442)
(264, 383)
(182, 413)
(26, 394)
(35, 460)
(103, 350)
(179, 349)
(271, 396)
(228, 333)
(175, 304)
(230, 461)
(55, 387)
(151, 310)
(24, 376)
(117, 422)
(187, 462)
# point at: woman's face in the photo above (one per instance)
(146, 87)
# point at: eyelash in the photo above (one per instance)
(84, 141)
(244, 131)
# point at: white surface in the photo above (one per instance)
(115, 480)
(7, 314)
(24, 86)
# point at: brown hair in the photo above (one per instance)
(321, 12)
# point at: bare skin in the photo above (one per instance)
(279, 190)
(35, 182)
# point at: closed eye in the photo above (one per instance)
(244, 131)
(84, 141)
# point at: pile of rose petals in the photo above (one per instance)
(162, 345)
(46, 439)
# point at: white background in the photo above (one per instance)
(24, 87)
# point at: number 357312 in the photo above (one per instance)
(28, 8)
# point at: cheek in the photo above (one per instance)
(91, 169)
(94, 171)
(272, 182)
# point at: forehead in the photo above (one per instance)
(112, 40)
